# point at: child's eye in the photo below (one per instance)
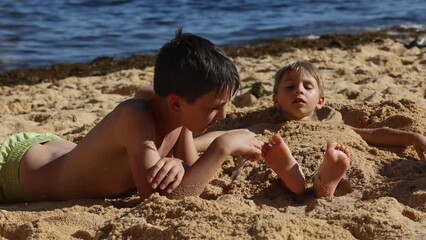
(309, 87)
(216, 108)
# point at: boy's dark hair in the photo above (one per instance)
(190, 66)
(298, 66)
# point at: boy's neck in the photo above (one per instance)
(165, 120)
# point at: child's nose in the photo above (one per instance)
(299, 90)
(221, 114)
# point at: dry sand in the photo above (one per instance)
(382, 196)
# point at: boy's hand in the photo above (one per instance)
(166, 173)
(420, 145)
(242, 142)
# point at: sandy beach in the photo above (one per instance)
(370, 84)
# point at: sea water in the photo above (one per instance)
(37, 32)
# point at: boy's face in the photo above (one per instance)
(298, 95)
(205, 111)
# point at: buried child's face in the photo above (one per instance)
(298, 95)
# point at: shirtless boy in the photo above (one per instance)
(143, 143)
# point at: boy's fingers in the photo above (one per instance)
(259, 143)
(160, 176)
(170, 177)
(175, 183)
(152, 172)
(166, 181)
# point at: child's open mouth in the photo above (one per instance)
(299, 100)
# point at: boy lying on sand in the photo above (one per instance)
(298, 93)
(142, 142)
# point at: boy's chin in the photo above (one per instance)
(207, 127)
(199, 131)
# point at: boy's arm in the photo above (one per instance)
(185, 148)
(141, 161)
(241, 142)
(135, 130)
(150, 171)
(202, 142)
(393, 137)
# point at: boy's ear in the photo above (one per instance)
(275, 100)
(174, 102)
(321, 102)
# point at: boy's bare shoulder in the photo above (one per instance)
(133, 105)
(131, 109)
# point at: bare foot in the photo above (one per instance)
(279, 158)
(335, 164)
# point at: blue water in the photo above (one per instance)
(39, 32)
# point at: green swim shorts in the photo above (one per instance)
(11, 152)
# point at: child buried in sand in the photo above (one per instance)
(298, 93)
(143, 143)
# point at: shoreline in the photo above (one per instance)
(274, 47)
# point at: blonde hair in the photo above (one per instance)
(298, 66)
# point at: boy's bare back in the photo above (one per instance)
(96, 167)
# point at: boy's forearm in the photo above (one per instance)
(386, 136)
(203, 142)
(201, 172)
